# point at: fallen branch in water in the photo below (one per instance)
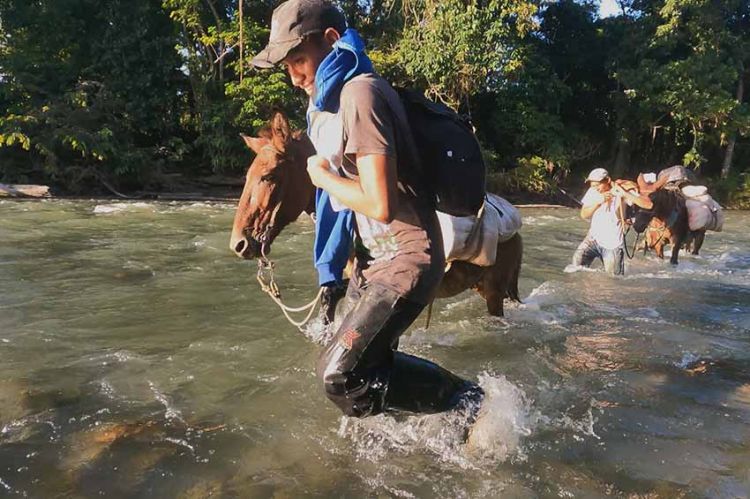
(116, 192)
(24, 191)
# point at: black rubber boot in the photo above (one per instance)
(329, 299)
(420, 386)
(469, 403)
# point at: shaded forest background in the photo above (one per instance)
(135, 93)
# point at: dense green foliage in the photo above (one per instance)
(124, 92)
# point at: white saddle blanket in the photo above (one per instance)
(703, 212)
(475, 239)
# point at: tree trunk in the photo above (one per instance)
(622, 158)
(727, 164)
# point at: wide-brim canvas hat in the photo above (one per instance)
(294, 20)
(597, 175)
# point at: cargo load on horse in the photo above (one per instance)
(703, 212)
(676, 175)
(474, 239)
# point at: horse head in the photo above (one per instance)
(277, 188)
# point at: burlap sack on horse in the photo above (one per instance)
(475, 239)
(703, 212)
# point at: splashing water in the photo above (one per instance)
(504, 419)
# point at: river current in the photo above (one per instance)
(138, 358)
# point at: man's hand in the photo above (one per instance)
(317, 168)
(618, 191)
(607, 197)
(373, 194)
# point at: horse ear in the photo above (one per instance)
(255, 143)
(281, 135)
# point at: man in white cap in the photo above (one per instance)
(604, 204)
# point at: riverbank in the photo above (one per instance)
(228, 189)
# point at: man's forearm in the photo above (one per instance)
(588, 211)
(345, 190)
(639, 200)
(374, 193)
(349, 193)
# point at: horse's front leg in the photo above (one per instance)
(676, 243)
(659, 249)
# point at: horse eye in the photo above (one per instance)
(270, 177)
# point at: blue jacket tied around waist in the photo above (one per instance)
(334, 230)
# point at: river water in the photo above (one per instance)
(138, 358)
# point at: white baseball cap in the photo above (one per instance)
(597, 175)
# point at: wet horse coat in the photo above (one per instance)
(277, 190)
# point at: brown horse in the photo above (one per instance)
(277, 190)
(658, 235)
(671, 212)
(667, 221)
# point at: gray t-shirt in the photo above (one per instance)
(405, 255)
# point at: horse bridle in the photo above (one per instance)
(265, 236)
(265, 275)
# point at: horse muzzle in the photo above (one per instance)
(249, 248)
(641, 222)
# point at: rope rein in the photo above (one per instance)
(269, 286)
(267, 281)
(629, 254)
(272, 289)
(623, 223)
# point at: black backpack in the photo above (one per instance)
(449, 152)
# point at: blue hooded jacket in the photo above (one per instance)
(333, 237)
(334, 230)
